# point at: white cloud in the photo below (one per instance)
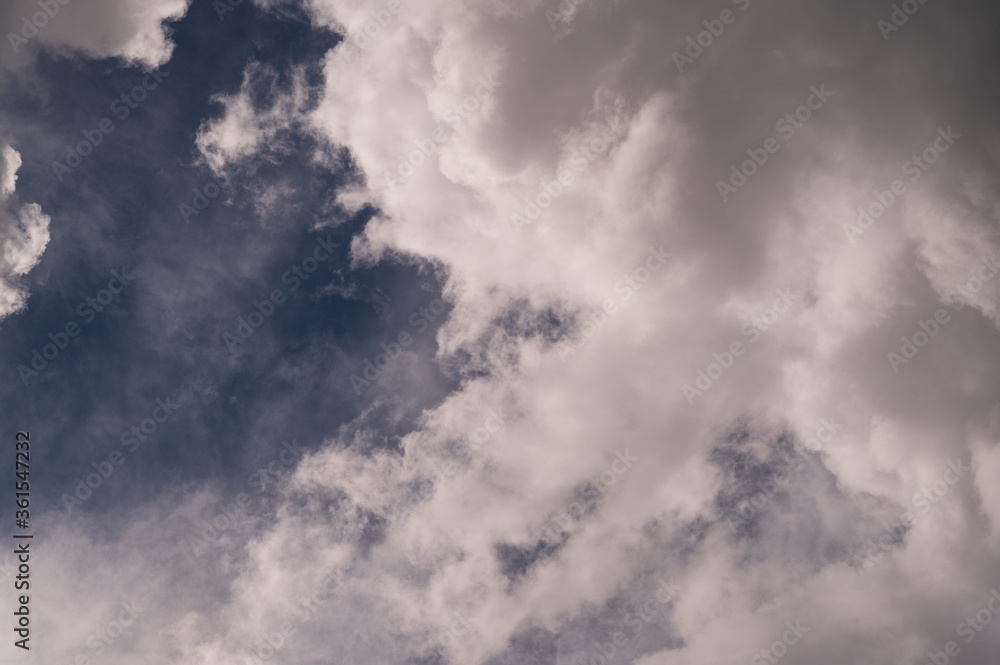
(24, 234)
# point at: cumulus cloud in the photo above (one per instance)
(24, 234)
(468, 175)
(774, 397)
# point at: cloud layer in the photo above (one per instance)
(546, 196)
(721, 310)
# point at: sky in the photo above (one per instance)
(592, 332)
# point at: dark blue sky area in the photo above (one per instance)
(153, 337)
